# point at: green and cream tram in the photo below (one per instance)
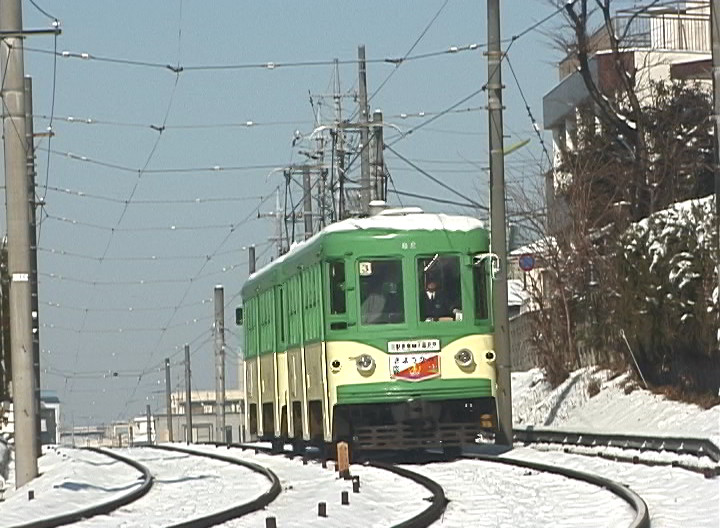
(376, 331)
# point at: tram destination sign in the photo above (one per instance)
(414, 345)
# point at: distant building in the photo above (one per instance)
(669, 41)
(203, 418)
(49, 417)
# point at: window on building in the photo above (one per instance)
(439, 288)
(381, 292)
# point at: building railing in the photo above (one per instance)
(669, 30)
(664, 31)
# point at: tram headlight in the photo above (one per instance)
(365, 364)
(490, 355)
(464, 358)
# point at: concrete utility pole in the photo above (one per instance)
(18, 224)
(307, 203)
(34, 305)
(168, 400)
(220, 363)
(365, 184)
(148, 423)
(497, 224)
(279, 223)
(715, 39)
(188, 397)
(339, 144)
(377, 164)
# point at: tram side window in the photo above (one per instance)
(481, 292)
(337, 287)
(381, 292)
(439, 288)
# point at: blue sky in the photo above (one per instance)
(106, 305)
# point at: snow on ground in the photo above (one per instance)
(570, 407)
(675, 497)
(71, 479)
(200, 483)
(490, 494)
(385, 499)
(481, 494)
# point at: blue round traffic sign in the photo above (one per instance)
(526, 262)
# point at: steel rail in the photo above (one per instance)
(425, 518)
(437, 504)
(235, 511)
(682, 446)
(642, 516)
(103, 508)
(699, 447)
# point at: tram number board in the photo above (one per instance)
(417, 345)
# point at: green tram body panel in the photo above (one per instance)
(432, 389)
(261, 292)
(287, 310)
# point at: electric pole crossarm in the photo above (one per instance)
(29, 32)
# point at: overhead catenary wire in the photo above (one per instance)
(533, 121)
(145, 171)
(148, 258)
(246, 124)
(136, 201)
(200, 270)
(127, 309)
(131, 195)
(258, 65)
(173, 227)
(407, 54)
(436, 180)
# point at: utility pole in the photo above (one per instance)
(307, 202)
(339, 145)
(377, 165)
(220, 363)
(18, 223)
(168, 400)
(188, 398)
(148, 423)
(365, 184)
(498, 236)
(715, 39)
(34, 305)
(279, 223)
(252, 263)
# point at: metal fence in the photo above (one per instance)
(666, 31)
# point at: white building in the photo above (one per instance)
(669, 41)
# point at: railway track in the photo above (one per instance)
(103, 508)
(437, 500)
(642, 515)
(90, 516)
(640, 518)
(427, 480)
(588, 443)
(237, 510)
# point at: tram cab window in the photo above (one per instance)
(381, 292)
(439, 288)
(480, 280)
(337, 287)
